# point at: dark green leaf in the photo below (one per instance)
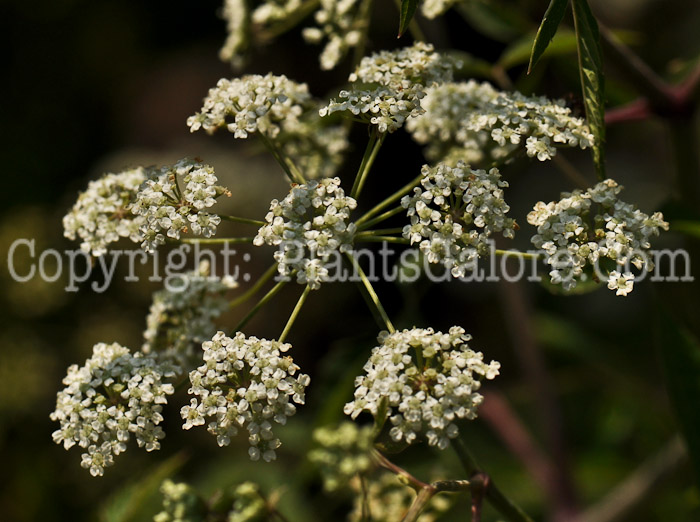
(408, 9)
(519, 52)
(592, 81)
(689, 228)
(548, 28)
(680, 352)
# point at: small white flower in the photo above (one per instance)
(474, 122)
(168, 209)
(251, 104)
(308, 226)
(575, 235)
(454, 212)
(245, 383)
(623, 283)
(387, 87)
(423, 398)
(114, 395)
(101, 215)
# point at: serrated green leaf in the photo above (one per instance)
(408, 9)
(592, 81)
(548, 28)
(680, 352)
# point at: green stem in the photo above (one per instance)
(516, 253)
(254, 289)
(380, 218)
(287, 165)
(295, 313)
(245, 221)
(213, 240)
(388, 201)
(274, 291)
(382, 231)
(373, 297)
(373, 146)
(364, 238)
(497, 499)
(419, 504)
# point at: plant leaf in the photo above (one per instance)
(520, 51)
(408, 9)
(548, 28)
(592, 81)
(680, 353)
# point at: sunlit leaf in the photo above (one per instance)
(592, 81)
(548, 28)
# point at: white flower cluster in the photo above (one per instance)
(341, 452)
(250, 104)
(339, 22)
(578, 239)
(424, 392)
(309, 226)
(183, 318)
(168, 209)
(433, 8)
(114, 395)
(454, 212)
(102, 214)
(462, 120)
(245, 383)
(388, 86)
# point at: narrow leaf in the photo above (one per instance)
(680, 352)
(548, 28)
(520, 51)
(408, 9)
(592, 82)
